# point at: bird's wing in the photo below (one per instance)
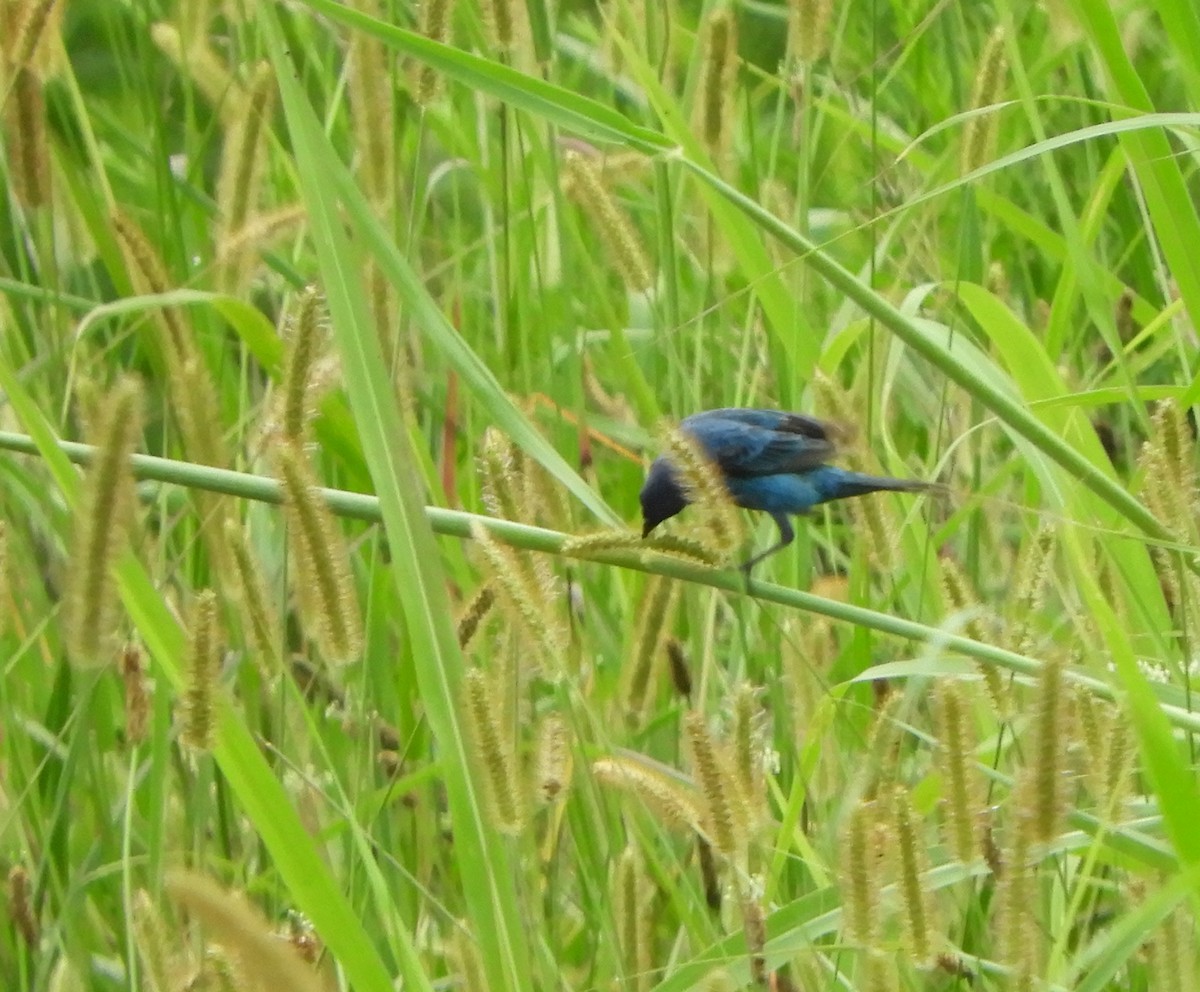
(745, 442)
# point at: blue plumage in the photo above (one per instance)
(769, 460)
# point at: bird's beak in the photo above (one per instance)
(647, 527)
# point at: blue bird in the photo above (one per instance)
(769, 460)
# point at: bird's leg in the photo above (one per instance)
(786, 536)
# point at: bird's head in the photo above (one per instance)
(662, 497)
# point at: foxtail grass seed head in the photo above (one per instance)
(203, 674)
(502, 468)
(383, 308)
(202, 67)
(515, 487)
(883, 531)
(26, 138)
(839, 407)
(670, 802)
(681, 546)
(612, 405)
(956, 760)
(1047, 803)
(266, 961)
(247, 145)
(702, 483)
(324, 585)
(528, 598)
(197, 408)
(20, 906)
(261, 230)
(725, 820)
(304, 347)
(961, 597)
(33, 22)
(499, 19)
(718, 75)
(554, 762)
(1119, 757)
(147, 271)
(494, 754)
(255, 607)
(137, 694)
(808, 28)
(153, 943)
(1015, 926)
(434, 24)
(589, 545)
(372, 110)
(910, 855)
(243, 160)
(631, 898)
(463, 954)
(655, 619)
(475, 613)
(103, 522)
(1102, 748)
(584, 185)
(681, 674)
(545, 497)
(1169, 462)
(149, 276)
(1173, 954)
(1032, 572)
(979, 133)
(883, 752)
(860, 881)
(747, 749)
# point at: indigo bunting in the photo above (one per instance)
(768, 460)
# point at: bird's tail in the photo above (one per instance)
(858, 484)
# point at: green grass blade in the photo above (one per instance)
(485, 873)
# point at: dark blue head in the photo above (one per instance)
(662, 497)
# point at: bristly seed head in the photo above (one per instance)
(1047, 803)
(28, 144)
(704, 487)
(103, 523)
(655, 619)
(203, 671)
(956, 757)
(725, 814)
(528, 595)
(860, 882)
(475, 613)
(979, 133)
(961, 597)
(435, 25)
(258, 613)
(668, 800)
(582, 181)
(324, 583)
(495, 753)
(911, 857)
(553, 758)
(717, 78)
(304, 346)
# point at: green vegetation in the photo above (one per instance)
(358, 673)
